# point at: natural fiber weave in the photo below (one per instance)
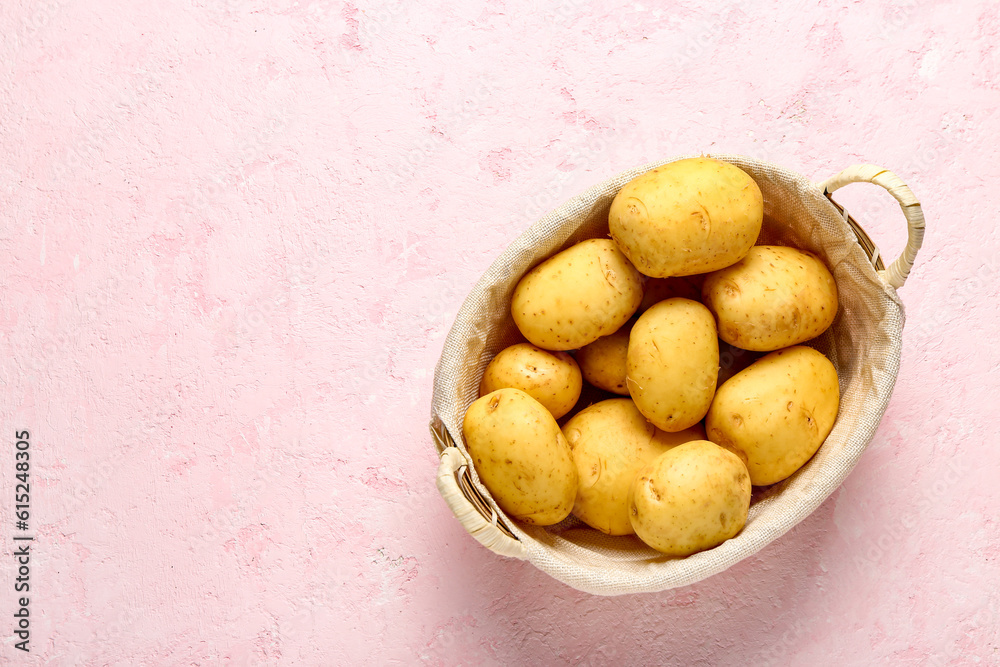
(863, 344)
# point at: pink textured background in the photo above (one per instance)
(234, 234)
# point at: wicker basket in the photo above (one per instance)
(863, 343)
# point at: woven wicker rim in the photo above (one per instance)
(864, 240)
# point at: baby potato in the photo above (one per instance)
(603, 361)
(693, 497)
(673, 363)
(777, 412)
(551, 378)
(687, 217)
(611, 442)
(521, 456)
(573, 298)
(773, 298)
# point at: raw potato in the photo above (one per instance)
(673, 363)
(687, 217)
(521, 456)
(694, 497)
(603, 361)
(551, 378)
(776, 413)
(773, 298)
(573, 298)
(611, 442)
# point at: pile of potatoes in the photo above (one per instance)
(628, 331)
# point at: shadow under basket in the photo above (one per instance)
(863, 343)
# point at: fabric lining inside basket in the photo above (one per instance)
(863, 344)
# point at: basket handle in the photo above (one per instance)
(869, 173)
(455, 486)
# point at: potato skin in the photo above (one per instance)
(603, 362)
(777, 412)
(773, 298)
(611, 442)
(551, 378)
(691, 498)
(573, 298)
(673, 363)
(687, 217)
(521, 456)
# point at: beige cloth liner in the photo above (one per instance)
(863, 344)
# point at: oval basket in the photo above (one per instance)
(863, 343)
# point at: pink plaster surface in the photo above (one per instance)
(234, 234)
